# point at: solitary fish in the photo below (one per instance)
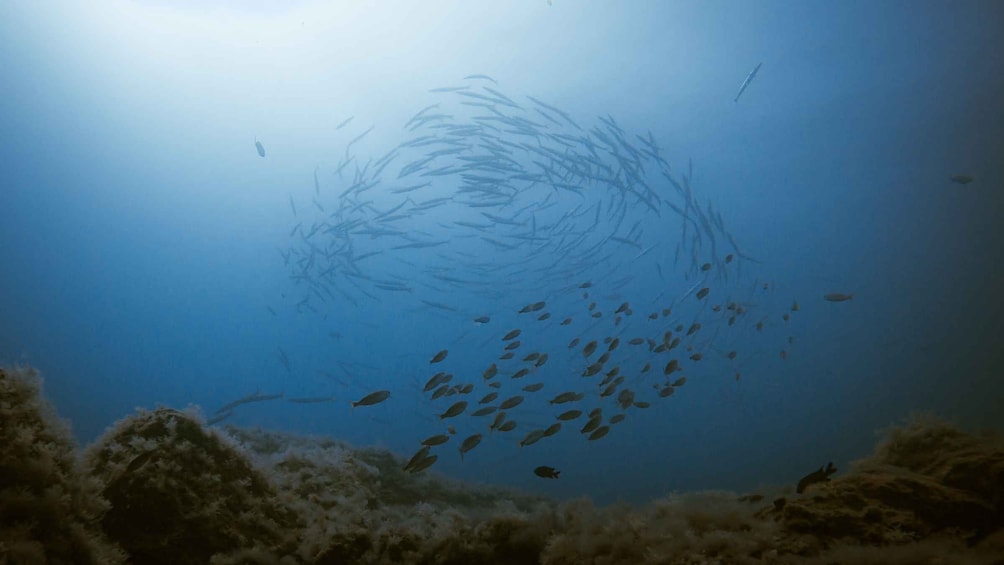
(749, 79)
(546, 472)
(372, 398)
(957, 179)
(259, 147)
(480, 320)
(439, 356)
(838, 297)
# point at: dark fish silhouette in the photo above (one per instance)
(821, 475)
(546, 472)
(259, 147)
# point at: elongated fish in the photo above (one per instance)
(259, 147)
(749, 78)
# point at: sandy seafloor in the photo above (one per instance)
(161, 487)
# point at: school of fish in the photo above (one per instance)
(602, 245)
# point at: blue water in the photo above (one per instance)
(143, 236)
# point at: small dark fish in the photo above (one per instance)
(455, 410)
(512, 345)
(569, 415)
(468, 444)
(703, 292)
(436, 440)
(599, 432)
(838, 297)
(372, 398)
(490, 372)
(484, 411)
(957, 179)
(439, 356)
(822, 475)
(566, 321)
(482, 320)
(511, 335)
(418, 457)
(260, 148)
(511, 402)
(546, 472)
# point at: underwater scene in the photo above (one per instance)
(541, 281)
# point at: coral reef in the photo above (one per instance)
(49, 511)
(168, 489)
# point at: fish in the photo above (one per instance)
(499, 420)
(469, 443)
(484, 411)
(511, 335)
(512, 345)
(957, 179)
(546, 472)
(569, 415)
(439, 356)
(423, 464)
(521, 373)
(599, 432)
(838, 297)
(259, 147)
(436, 440)
(508, 426)
(481, 320)
(490, 372)
(372, 398)
(533, 387)
(454, 410)
(436, 380)
(511, 402)
(481, 77)
(344, 123)
(749, 78)
(589, 348)
(417, 457)
(702, 293)
(532, 438)
(820, 475)
(564, 397)
(616, 419)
